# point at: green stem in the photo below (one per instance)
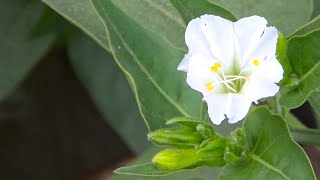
(279, 109)
(306, 136)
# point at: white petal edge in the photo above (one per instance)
(233, 106)
(184, 64)
(217, 107)
(238, 108)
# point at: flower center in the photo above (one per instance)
(233, 82)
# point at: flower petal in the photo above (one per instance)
(265, 48)
(238, 108)
(271, 70)
(248, 32)
(233, 106)
(217, 106)
(211, 36)
(184, 64)
(257, 89)
(199, 74)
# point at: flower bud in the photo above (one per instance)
(212, 153)
(292, 83)
(236, 147)
(174, 159)
(205, 130)
(181, 137)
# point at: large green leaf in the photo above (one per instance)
(274, 155)
(190, 9)
(304, 56)
(49, 22)
(286, 15)
(109, 90)
(158, 16)
(313, 25)
(148, 169)
(82, 14)
(149, 62)
(203, 173)
(18, 54)
(316, 8)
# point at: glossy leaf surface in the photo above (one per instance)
(273, 154)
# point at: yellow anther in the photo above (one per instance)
(255, 62)
(209, 86)
(215, 67)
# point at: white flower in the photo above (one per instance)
(231, 63)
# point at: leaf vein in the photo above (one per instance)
(269, 166)
(153, 81)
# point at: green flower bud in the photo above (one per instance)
(179, 137)
(291, 83)
(212, 153)
(206, 131)
(236, 147)
(213, 144)
(174, 159)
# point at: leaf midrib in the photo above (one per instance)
(267, 165)
(310, 71)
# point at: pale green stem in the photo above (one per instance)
(306, 136)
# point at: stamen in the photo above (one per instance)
(215, 67)
(255, 62)
(209, 86)
(226, 83)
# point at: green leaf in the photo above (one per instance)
(203, 173)
(18, 54)
(313, 25)
(316, 8)
(158, 16)
(109, 90)
(149, 169)
(190, 9)
(286, 15)
(149, 62)
(49, 23)
(82, 14)
(304, 56)
(153, 171)
(274, 155)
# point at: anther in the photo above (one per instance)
(209, 86)
(215, 67)
(255, 62)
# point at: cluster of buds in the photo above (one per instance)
(195, 144)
